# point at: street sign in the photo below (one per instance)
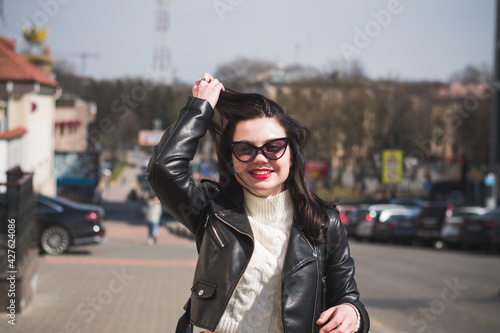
(392, 166)
(490, 179)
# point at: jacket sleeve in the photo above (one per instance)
(339, 271)
(168, 170)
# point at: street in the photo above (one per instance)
(124, 285)
(410, 289)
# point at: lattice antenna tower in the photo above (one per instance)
(162, 54)
(2, 16)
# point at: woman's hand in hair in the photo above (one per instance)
(341, 318)
(208, 88)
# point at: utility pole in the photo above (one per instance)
(495, 110)
(84, 56)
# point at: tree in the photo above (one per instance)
(472, 74)
(244, 74)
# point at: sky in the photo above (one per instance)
(400, 39)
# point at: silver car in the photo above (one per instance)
(456, 219)
(375, 214)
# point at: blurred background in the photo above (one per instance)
(364, 76)
(400, 97)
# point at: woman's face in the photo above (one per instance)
(263, 177)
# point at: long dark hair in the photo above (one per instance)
(234, 107)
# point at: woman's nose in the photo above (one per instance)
(260, 157)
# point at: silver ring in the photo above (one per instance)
(204, 79)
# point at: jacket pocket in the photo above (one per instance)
(203, 289)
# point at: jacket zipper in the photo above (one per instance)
(244, 268)
(316, 293)
(315, 254)
(219, 240)
(323, 300)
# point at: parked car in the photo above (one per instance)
(344, 212)
(404, 229)
(494, 244)
(62, 223)
(395, 224)
(455, 222)
(364, 230)
(456, 197)
(429, 223)
(355, 218)
(409, 202)
(482, 231)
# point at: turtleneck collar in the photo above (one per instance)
(271, 209)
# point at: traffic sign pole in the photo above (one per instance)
(490, 181)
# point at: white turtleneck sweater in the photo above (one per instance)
(256, 304)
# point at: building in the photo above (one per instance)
(76, 162)
(27, 117)
(73, 115)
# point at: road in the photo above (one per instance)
(409, 289)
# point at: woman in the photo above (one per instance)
(273, 256)
(152, 211)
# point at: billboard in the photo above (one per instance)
(76, 168)
(392, 166)
(149, 137)
(317, 169)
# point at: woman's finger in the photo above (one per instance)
(208, 88)
(206, 78)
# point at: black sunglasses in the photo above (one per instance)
(272, 150)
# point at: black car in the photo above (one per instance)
(409, 202)
(63, 223)
(483, 231)
(495, 232)
(395, 224)
(429, 223)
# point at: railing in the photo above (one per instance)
(18, 228)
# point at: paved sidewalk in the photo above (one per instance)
(122, 285)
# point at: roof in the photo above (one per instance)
(16, 68)
(462, 90)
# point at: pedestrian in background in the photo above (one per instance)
(152, 210)
(273, 256)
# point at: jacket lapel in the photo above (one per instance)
(299, 251)
(237, 219)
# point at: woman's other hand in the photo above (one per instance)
(341, 318)
(208, 88)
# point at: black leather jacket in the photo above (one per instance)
(314, 277)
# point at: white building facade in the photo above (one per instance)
(27, 116)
